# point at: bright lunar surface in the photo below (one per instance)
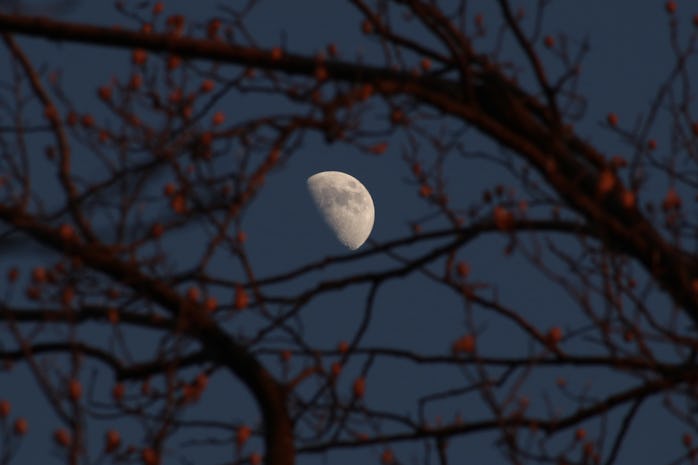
(345, 204)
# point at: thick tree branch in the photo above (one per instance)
(502, 111)
(220, 347)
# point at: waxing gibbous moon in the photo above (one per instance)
(345, 204)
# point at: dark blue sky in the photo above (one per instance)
(629, 57)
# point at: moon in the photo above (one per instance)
(345, 204)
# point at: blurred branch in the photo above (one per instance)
(502, 111)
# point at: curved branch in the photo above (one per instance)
(502, 111)
(217, 344)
